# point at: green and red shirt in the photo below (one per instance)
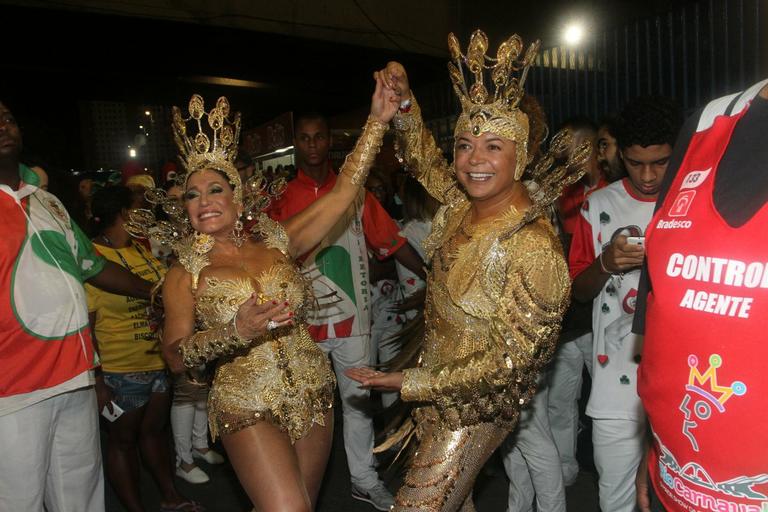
(338, 267)
(45, 340)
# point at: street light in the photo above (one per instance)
(147, 113)
(132, 153)
(574, 33)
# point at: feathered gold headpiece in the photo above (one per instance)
(202, 151)
(499, 113)
(216, 151)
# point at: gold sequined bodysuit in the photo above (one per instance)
(285, 379)
(496, 294)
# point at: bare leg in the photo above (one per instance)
(122, 458)
(268, 468)
(155, 447)
(313, 451)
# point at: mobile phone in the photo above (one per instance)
(636, 240)
(114, 414)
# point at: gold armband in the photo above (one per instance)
(360, 160)
(205, 346)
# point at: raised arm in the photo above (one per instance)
(306, 229)
(416, 145)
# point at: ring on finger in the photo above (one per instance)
(272, 325)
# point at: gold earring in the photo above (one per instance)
(237, 236)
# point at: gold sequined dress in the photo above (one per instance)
(496, 294)
(282, 377)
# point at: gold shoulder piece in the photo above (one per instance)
(273, 233)
(193, 255)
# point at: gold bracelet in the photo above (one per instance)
(360, 160)
(205, 346)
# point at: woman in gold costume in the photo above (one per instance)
(239, 300)
(498, 284)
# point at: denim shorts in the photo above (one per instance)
(132, 390)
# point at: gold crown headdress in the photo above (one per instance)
(498, 114)
(199, 152)
(202, 151)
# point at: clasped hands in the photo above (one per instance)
(392, 89)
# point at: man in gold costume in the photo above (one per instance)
(498, 284)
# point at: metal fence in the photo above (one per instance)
(694, 53)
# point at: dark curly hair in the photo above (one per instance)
(610, 123)
(647, 121)
(106, 206)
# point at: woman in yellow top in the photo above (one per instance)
(239, 299)
(132, 376)
(498, 284)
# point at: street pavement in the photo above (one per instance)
(224, 494)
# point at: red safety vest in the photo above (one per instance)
(702, 379)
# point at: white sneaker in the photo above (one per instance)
(378, 496)
(193, 476)
(211, 457)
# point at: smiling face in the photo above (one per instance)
(209, 200)
(485, 165)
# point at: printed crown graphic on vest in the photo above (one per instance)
(716, 393)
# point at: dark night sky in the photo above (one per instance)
(58, 58)
(54, 59)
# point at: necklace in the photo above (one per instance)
(125, 263)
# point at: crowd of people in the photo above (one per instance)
(473, 291)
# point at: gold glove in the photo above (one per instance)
(205, 346)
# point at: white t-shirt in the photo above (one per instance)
(607, 213)
(415, 231)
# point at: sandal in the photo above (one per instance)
(186, 506)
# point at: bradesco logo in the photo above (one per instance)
(682, 204)
(674, 224)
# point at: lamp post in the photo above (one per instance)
(573, 34)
